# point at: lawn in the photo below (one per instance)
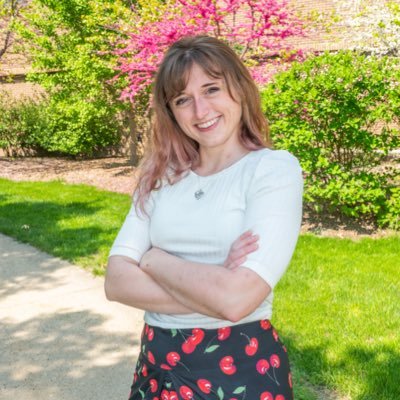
(337, 308)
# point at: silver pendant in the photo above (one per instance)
(199, 194)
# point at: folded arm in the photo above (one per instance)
(225, 293)
(126, 283)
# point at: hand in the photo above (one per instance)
(241, 247)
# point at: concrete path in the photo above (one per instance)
(59, 337)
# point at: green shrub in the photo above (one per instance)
(70, 43)
(55, 126)
(339, 114)
(20, 121)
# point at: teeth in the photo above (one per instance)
(208, 124)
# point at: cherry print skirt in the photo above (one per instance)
(246, 361)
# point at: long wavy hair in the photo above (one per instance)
(170, 153)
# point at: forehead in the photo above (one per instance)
(187, 74)
(197, 77)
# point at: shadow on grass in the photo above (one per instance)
(47, 226)
(374, 368)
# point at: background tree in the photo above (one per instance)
(376, 27)
(9, 11)
(257, 30)
(69, 42)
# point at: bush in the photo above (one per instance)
(47, 125)
(70, 43)
(339, 114)
(20, 121)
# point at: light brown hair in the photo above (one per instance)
(171, 153)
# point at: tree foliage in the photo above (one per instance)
(376, 27)
(9, 12)
(340, 114)
(257, 30)
(70, 43)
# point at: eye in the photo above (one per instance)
(180, 101)
(213, 89)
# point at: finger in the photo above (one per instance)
(241, 242)
(243, 251)
(237, 263)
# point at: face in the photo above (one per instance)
(206, 112)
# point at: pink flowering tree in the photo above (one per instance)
(257, 29)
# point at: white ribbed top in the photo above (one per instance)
(262, 191)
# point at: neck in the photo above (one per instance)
(213, 162)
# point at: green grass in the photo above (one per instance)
(337, 308)
(75, 222)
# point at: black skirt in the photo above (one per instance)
(246, 361)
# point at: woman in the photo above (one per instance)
(215, 222)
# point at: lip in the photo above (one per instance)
(213, 121)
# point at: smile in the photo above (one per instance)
(208, 123)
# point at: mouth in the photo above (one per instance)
(208, 124)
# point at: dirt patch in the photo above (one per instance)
(114, 174)
(117, 175)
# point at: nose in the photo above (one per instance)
(201, 107)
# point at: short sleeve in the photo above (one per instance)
(274, 212)
(133, 239)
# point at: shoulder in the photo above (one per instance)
(279, 163)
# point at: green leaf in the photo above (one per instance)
(239, 389)
(211, 348)
(174, 332)
(141, 393)
(220, 393)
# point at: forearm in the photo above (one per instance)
(208, 289)
(126, 283)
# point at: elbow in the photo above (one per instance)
(245, 296)
(236, 313)
(109, 290)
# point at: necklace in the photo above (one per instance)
(199, 193)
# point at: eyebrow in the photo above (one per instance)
(202, 86)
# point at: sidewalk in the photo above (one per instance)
(59, 336)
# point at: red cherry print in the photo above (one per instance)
(135, 377)
(165, 366)
(204, 385)
(252, 347)
(224, 333)
(173, 395)
(165, 395)
(144, 370)
(151, 358)
(266, 396)
(172, 358)
(188, 347)
(227, 366)
(265, 324)
(153, 385)
(275, 361)
(279, 397)
(198, 336)
(275, 335)
(262, 366)
(150, 334)
(186, 393)
(156, 398)
(290, 380)
(284, 349)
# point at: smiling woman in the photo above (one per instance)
(215, 222)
